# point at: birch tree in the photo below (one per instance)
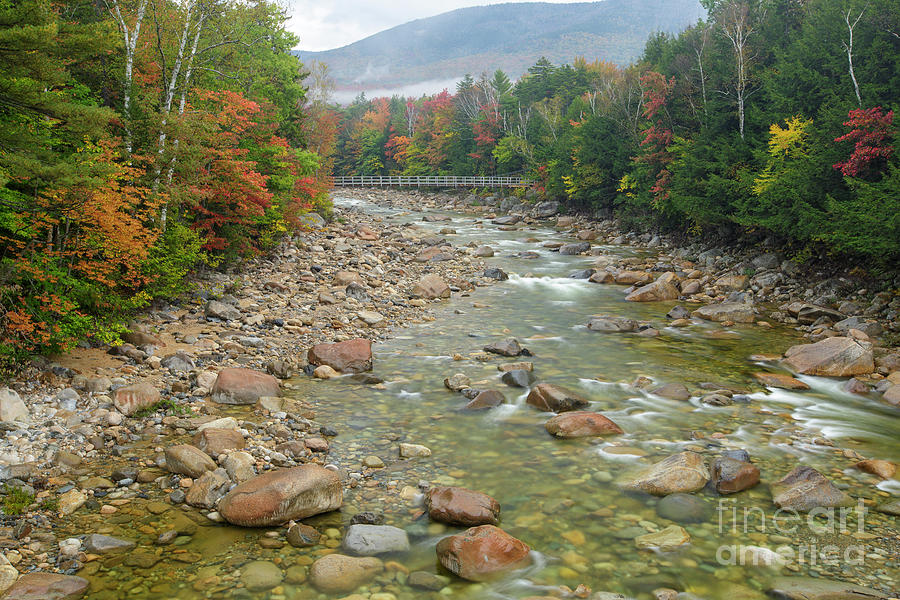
(130, 35)
(848, 47)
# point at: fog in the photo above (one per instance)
(413, 90)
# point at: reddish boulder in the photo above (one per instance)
(881, 468)
(459, 506)
(554, 398)
(47, 586)
(482, 553)
(215, 441)
(283, 495)
(351, 356)
(731, 475)
(581, 423)
(133, 398)
(243, 386)
(486, 399)
(431, 287)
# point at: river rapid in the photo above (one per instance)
(562, 497)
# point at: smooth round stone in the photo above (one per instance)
(260, 575)
(683, 508)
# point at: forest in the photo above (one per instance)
(140, 139)
(770, 119)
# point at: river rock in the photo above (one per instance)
(804, 489)
(188, 460)
(870, 327)
(612, 324)
(832, 357)
(482, 553)
(325, 372)
(340, 574)
(243, 386)
(881, 468)
(555, 398)
(282, 495)
(239, 466)
(661, 290)
(132, 398)
(47, 586)
(220, 310)
(780, 380)
(495, 273)
(730, 475)
(350, 356)
(737, 312)
(216, 441)
(485, 399)
(602, 277)
(575, 248)
(413, 450)
(104, 544)
(345, 278)
(431, 287)
(673, 391)
(684, 508)
(516, 378)
(733, 283)
(683, 472)
(809, 588)
(666, 540)
(461, 506)
(507, 347)
(12, 408)
(457, 382)
(260, 575)
(575, 424)
(371, 540)
(483, 252)
(208, 489)
(807, 314)
(177, 363)
(71, 501)
(678, 312)
(300, 535)
(892, 395)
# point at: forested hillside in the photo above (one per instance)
(503, 36)
(771, 118)
(138, 139)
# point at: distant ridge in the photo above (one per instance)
(510, 36)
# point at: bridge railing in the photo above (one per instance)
(430, 181)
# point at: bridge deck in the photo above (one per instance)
(514, 181)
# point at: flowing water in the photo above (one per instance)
(560, 496)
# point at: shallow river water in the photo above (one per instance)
(561, 496)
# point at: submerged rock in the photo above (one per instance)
(340, 574)
(667, 540)
(47, 586)
(482, 553)
(581, 424)
(683, 472)
(809, 588)
(370, 540)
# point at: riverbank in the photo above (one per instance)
(312, 292)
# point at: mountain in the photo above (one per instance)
(510, 36)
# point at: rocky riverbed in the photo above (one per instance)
(243, 444)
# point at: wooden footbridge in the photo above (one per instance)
(443, 181)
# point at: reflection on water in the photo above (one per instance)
(560, 496)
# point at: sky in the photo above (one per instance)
(323, 25)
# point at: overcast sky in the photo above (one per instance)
(323, 25)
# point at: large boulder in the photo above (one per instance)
(731, 475)
(340, 574)
(132, 398)
(430, 287)
(350, 356)
(47, 586)
(737, 312)
(507, 347)
(369, 540)
(804, 489)
(188, 460)
(283, 495)
(485, 399)
(575, 248)
(661, 290)
(12, 408)
(680, 473)
(482, 553)
(832, 357)
(461, 506)
(208, 489)
(555, 398)
(243, 386)
(581, 424)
